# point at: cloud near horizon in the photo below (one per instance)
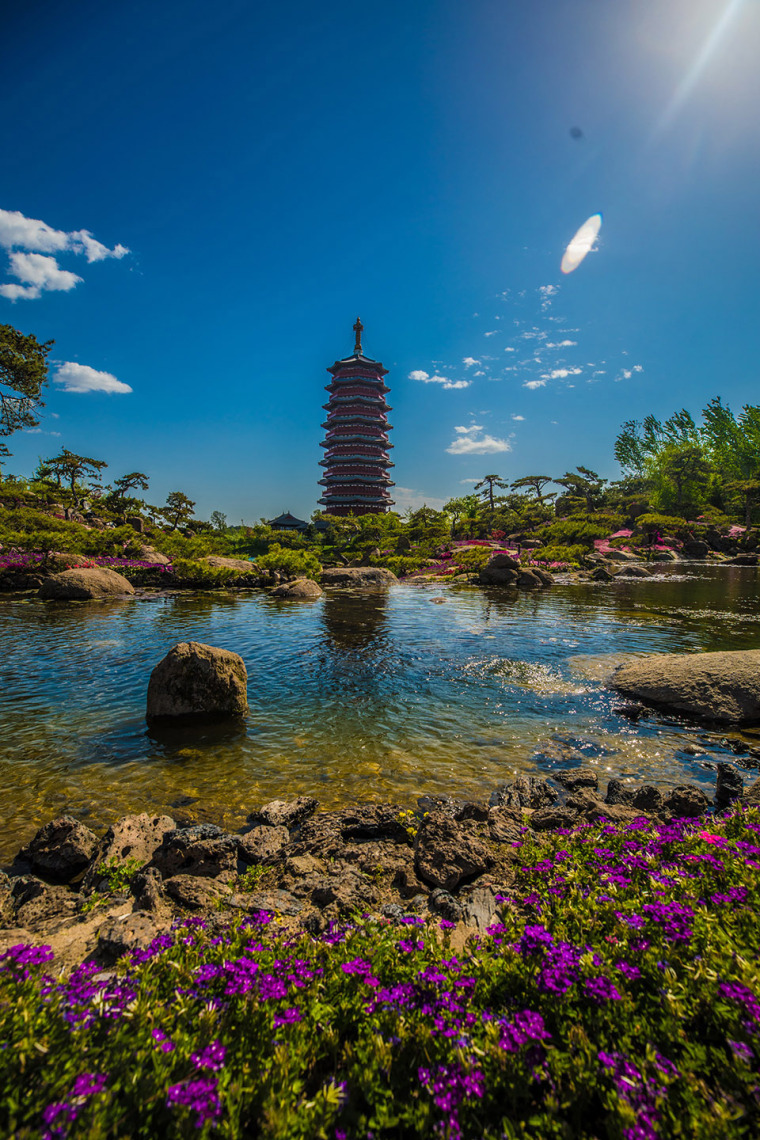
(34, 241)
(81, 378)
(444, 381)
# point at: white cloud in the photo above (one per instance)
(562, 373)
(447, 384)
(81, 378)
(36, 272)
(407, 498)
(510, 349)
(547, 293)
(534, 384)
(465, 430)
(493, 332)
(38, 431)
(469, 480)
(19, 232)
(472, 443)
(479, 372)
(627, 373)
(518, 417)
(468, 361)
(561, 344)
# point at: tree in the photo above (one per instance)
(4, 453)
(486, 486)
(536, 483)
(218, 520)
(119, 498)
(178, 510)
(586, 485)
(70, 468)
(733, 444)
(23, 372)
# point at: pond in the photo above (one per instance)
(356, 696)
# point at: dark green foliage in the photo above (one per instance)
(23, 372)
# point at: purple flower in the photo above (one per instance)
(199, 1096)
(212, 1057)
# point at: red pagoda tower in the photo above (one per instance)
(356, 461)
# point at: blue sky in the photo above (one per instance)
(275, 170)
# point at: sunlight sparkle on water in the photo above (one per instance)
(581, 244)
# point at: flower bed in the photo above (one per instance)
(616, 996)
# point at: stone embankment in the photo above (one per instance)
(100, 897)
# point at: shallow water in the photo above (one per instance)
(353, 696)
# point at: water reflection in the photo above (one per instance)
(355, 620)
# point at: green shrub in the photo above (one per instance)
(402, 564)
(581, 529)
(291, 563)
(193, 570)
(573, 555)
(472, 557)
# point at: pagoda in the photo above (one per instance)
(356, 461)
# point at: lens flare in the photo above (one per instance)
(582, 243)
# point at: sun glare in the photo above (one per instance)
(582, 243)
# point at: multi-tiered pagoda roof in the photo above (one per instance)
(356, 462)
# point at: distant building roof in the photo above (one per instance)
(287, 521)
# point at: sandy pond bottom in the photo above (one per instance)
(352, 697)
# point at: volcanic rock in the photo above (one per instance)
(134, 932)
(285, 813)
(61, 850)
(729, 787)
(204, 851)
(524, 792)
(447, 853)
(263, 844)
(195, 679)
(686, 800)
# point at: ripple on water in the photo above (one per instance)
(357, 696)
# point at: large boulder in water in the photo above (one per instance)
(723, 687)
(300, 588)
(86, 584)
(358, 576)
(195, 679)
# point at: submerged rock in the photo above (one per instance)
(285, 813)
(195, 679)
(722, 687)
(86, 584)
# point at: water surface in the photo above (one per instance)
(353, 696)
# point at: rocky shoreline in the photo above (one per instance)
(97, 898)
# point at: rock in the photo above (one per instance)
(503, 562)
(529, 580)
(618, 794)
(633, 572)
(134, 932)
(444, 903)
(632, 712)
(61, 850)
(552, 818)
(133, 837)
(137, 524)
(263, 844)
(695, 549)
(752, 796)
(195, 893)
(347, 891)
(447, 853)
(285, 813)
(241, 565)
(198, 680)
(742, 560)
(301, 588)
(722, 687)
(148, 890)
(273, 902)
(647, 798)
(86, 585)
(729, 787)
(204, 851)
(37, 903)
(572, 778)
(150, 554)
(497, 576)
(524, 792)
(505, 824)
(479, 906)
(686, 800)
(601, 574)
(358, 576)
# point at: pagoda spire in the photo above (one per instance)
(358, 329)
